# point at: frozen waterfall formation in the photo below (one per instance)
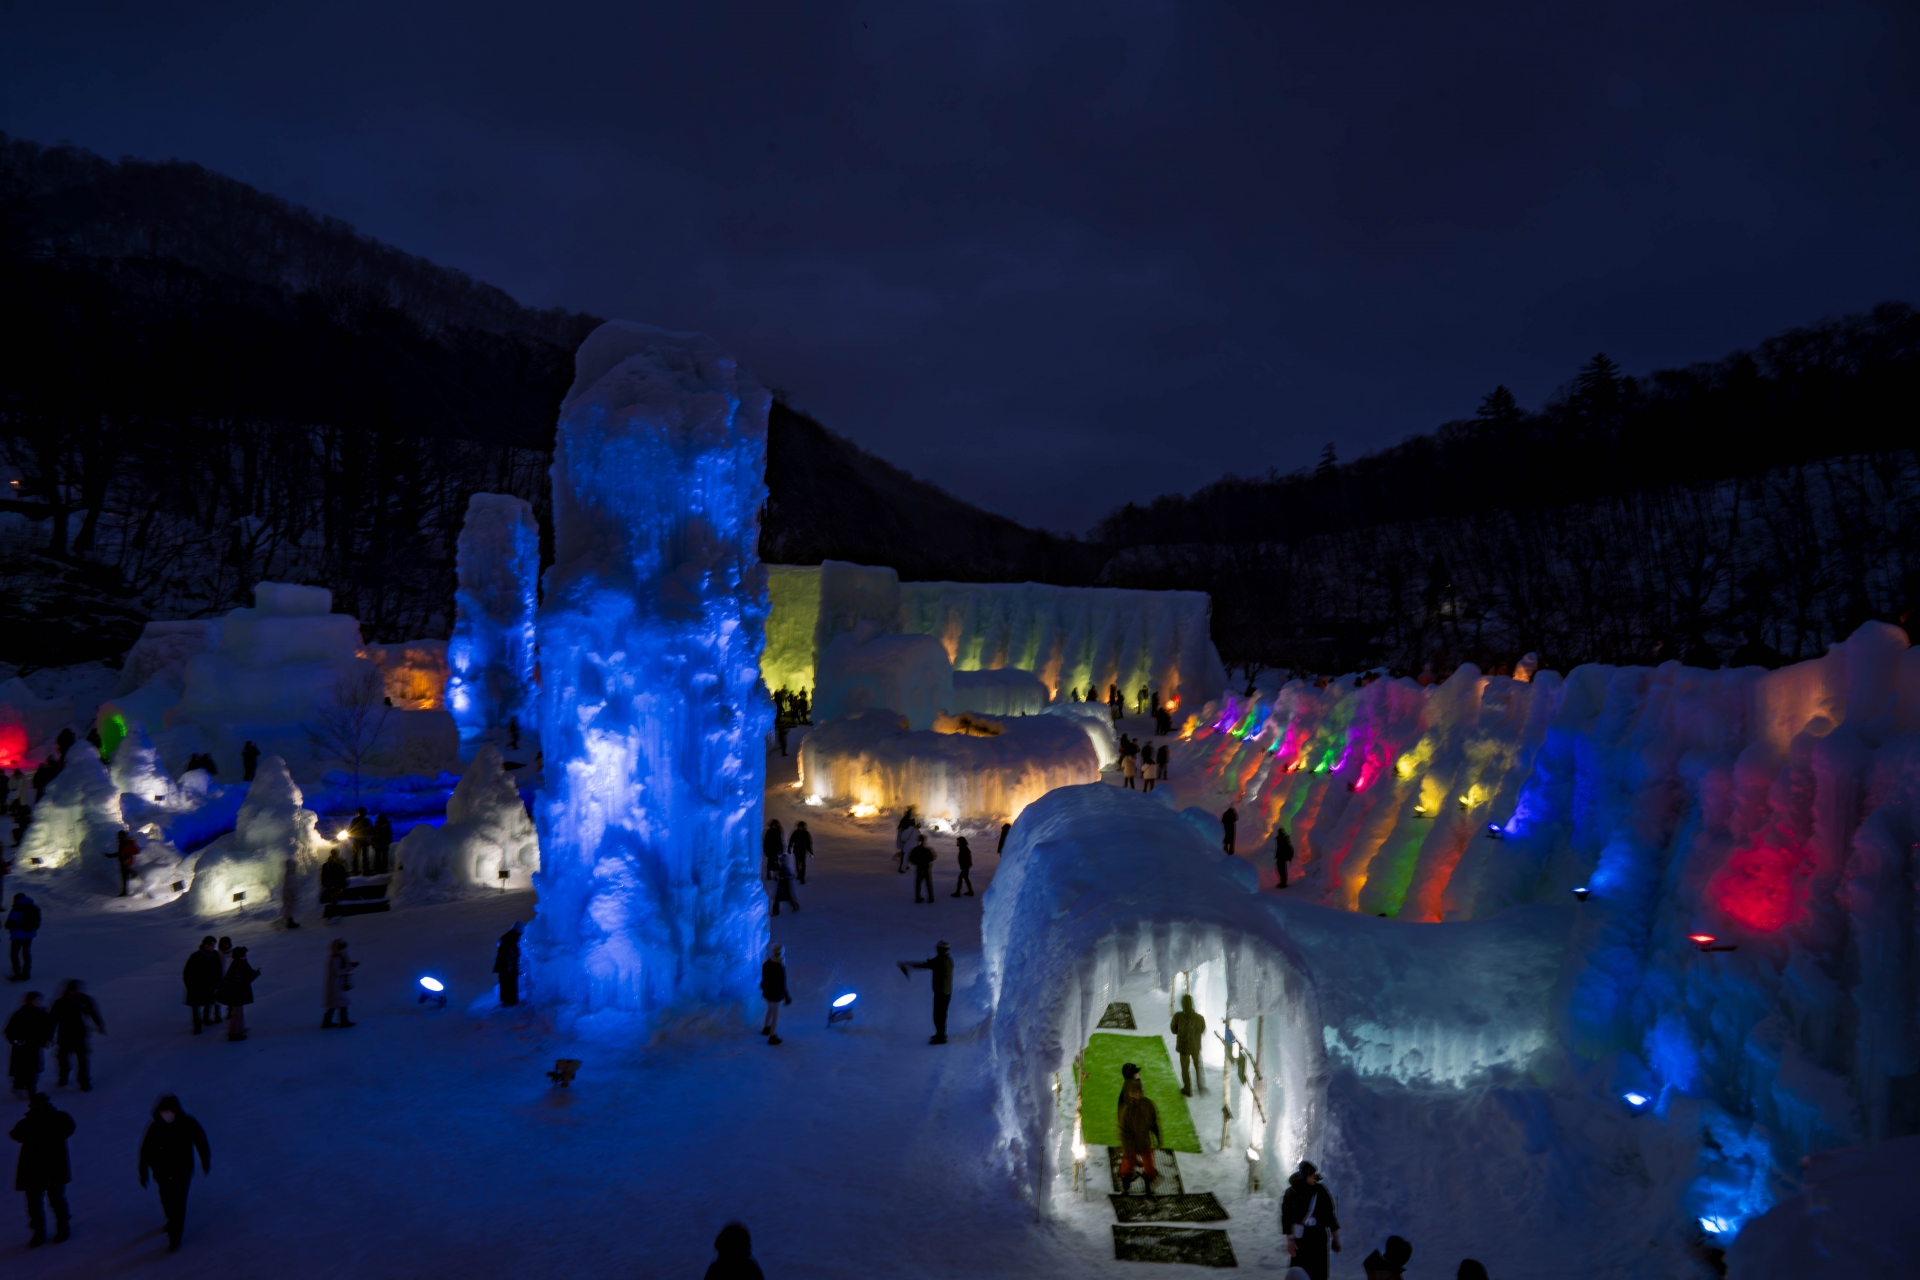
(490, 658)
(930, 653)
(651, 711)
(1775, 812)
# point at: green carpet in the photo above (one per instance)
(1099, 1119)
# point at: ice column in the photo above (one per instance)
(650, 708)
(490, 658)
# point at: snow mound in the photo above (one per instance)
(246, 870)
(873, 759)
(487, 831)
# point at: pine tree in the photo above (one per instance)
(1498, 408)
(1329, 461)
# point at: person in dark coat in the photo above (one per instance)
(236, 992)
(1308, 1221)
(249, 761)
(1229, 820)
(28, 1031)
(783, 883)
(1390, 1262)
(800, 845)
(359, 837)
(773, 989)
(43, 1171)
(964, 855)
(23, 922)
(902, 839)
(1006, 829)
(1471, 1269)
(125, 850)
(339, 982)
(771, 843)
(333, 881)
(1189, 1033)
(922, 859)
(735, 1261)
(1139, 1135)
(201, 974)
(167, 1154)
(71, 1014)
(506, 963)
(1282, 853)
(382, 844)
(942, 967)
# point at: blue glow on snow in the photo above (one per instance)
(1636, 1100)
(433, 984)
(845, 1000)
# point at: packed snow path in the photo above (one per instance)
(428, 1141)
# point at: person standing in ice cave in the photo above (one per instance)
(1189, 1033)
(922, 859)
(1308, 1221)
(1139, 1135)
(800, 845)
(773, 989)
(941, 966)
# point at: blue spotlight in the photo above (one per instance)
(842, 1010)
(431, 988)
(1635, 1099)
(1582, 892)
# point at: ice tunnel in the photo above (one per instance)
(651, 712)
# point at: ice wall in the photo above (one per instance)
(1074, 636)
(487, 832)
(491, 655)
(651, 711)
(874, 759)
(793, 616)
(1008, 691)
(860, 671)
(1777, 811)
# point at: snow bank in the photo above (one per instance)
(1776, 811)
(863, 671)
(1074, 636)
(1007, 691)
(651, 711)
(1852, 1216)
(874, 759)
(491, 655)
(245, 871)
(487, 831)
(1102, 895)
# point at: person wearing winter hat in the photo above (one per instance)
(735, 1261)
(1389, 1263)
(1308, 1221)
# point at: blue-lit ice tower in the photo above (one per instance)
(651, 713)
(490, 657)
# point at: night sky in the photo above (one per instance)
(1058, 257)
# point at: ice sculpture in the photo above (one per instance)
(1072, 637)
(809, 605)
(77, 823)
(651, 711)
(487, 842)
(245, 871)
(490, 658)
(860, 671)
(1008, 691)
(978, 767)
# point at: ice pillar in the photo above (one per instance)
(490, 658)
(651, 712)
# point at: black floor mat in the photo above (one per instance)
(1195, 1208)
(1195, 1246)
(1164, 1162)
(1118, 1017)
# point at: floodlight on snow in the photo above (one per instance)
(863, 811)
(431, 988)
(1494, 832)
(1582, 893)
(815, 801)
(1715, 1225)
(1635, 1099)
(842, 1008)
(1707, 942)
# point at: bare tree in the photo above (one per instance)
(349, 726)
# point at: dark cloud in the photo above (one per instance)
(1056, 257)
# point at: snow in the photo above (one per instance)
(244, 873)
(1851, 1216)
(491, 655)
(487, 832)
(1074, 636)
(1008, 691)
(863, 671)
(990, 769)
(651, 711)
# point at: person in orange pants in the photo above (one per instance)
(1139, 1135)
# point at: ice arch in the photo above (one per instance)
(650, 708)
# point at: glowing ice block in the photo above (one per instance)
(651, 711)
(490, 657)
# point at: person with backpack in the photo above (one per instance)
(23, 922)
(1308, 1221)
(963, 853)
(71, 1014)
(773, 989)
(166, 1154)
(201, 975)
(236, 992)
(43, 1170)
(339, 982)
